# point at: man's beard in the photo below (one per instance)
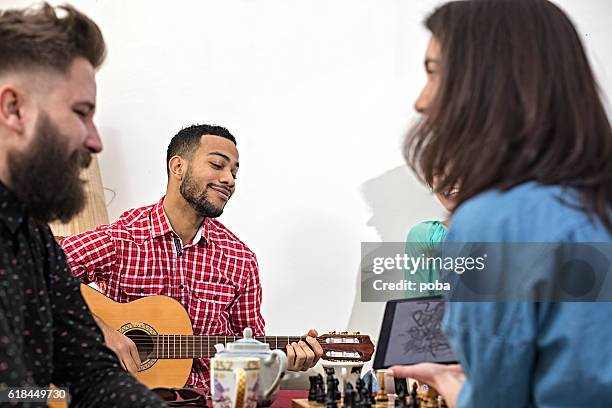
(200, 203)
(46, 177)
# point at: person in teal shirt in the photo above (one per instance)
(423, 239)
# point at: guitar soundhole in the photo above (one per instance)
(143, 342)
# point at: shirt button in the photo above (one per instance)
(181, 286)
(141, 290)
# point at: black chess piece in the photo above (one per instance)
(401, 388)
(366, 395)
(359, 385)
(368, 380)
(330, 395)
(414, 397)
(312, 391)
(337, 394)
(320, 390)
(330, 379)
(357, 395)
(330, 402)
(361, 402)
(349, 396)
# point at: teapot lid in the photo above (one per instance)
(248, 343)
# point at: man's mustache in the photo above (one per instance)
(80, 160)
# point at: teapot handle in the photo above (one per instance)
(240, 387)
(282, 359)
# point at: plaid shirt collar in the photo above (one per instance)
(160, 225)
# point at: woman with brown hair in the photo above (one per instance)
(512, 114)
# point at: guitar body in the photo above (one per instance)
(149, 316)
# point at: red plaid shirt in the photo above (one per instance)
(215, 277)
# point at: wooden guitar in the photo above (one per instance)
(162, 331)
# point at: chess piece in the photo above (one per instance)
(359, 386)
(357, 394)
(366, 395)
(330, 401)
(401, 388)
(312, 391)
(320, 392)
(333, 383)
(330, 395)
(349, 396)
(381, 395)
(414, 397)
(362, 397)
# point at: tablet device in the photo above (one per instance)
(411, 333)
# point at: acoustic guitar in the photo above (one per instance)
(162, 331)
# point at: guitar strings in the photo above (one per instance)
(191, 336)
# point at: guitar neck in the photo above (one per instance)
(184, 346)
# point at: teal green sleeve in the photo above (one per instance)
(422, 239)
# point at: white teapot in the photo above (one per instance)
(272, 367)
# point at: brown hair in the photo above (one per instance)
(517, 102)
(40, 38)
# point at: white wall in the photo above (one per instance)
(318, 93)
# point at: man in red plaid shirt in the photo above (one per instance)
(177, 248)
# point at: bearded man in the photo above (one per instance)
(177, 248)
(47, 135)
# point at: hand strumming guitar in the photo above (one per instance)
(304, 355)
(121, 345)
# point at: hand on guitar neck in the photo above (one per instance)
(121, 345)
(304, 354)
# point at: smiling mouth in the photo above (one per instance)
(225, 194)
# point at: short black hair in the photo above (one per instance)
(187, 140)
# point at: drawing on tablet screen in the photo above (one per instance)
(425, 332)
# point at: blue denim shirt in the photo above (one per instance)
(521, 354)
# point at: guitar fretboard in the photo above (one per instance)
(184, 346)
